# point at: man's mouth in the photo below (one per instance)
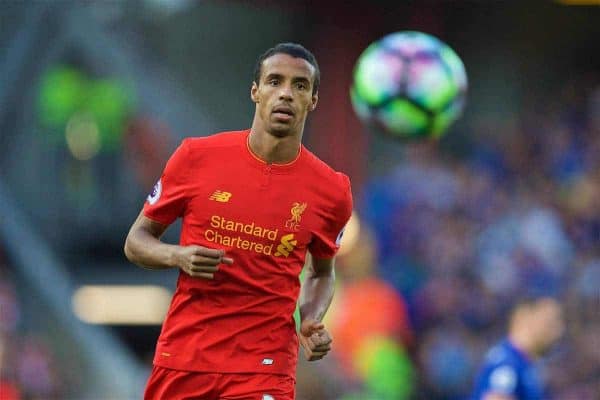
(283, 111)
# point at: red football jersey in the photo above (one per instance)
(265, 216)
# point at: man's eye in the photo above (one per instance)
(301, 86)
(273, 82)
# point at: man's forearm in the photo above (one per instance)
(497, 396)
(147, 251)
(144, 248)
(317, 293)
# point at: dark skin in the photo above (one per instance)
(317, 293)
(283, 98)
(144, 248)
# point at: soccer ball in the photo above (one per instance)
(409, 84)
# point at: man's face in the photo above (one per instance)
(549, 321)
(284, 95)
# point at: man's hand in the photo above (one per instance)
(315, 339)
(198, 261)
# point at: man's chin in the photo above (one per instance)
(280, 130)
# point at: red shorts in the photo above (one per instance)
(171, 384)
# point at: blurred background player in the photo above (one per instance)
(509, 371)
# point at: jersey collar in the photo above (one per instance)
(259, 162)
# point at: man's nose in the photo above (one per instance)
(285, 92)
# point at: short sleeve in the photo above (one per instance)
(326, 243)
(169, 196)
(502, 380)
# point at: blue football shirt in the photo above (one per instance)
(507, 370)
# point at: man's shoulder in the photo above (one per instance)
(503, 354)
(325, 173)
(215, 140)
(499, 372)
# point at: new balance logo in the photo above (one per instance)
(288, 243)
(220, 196)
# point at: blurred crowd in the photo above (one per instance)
(28, 366)
(462, 238)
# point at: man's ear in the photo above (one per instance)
(254, 93)
(314, 100)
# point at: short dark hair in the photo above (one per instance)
(294, 50)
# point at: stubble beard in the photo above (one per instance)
(280, 130)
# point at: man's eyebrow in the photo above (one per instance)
(300, 79)
(273, 75)
(280, 76)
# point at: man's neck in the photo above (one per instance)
(522, 341)
(273, 149)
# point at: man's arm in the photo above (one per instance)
(317, 293)
(144, 248)
(499, 382)
(497, 396)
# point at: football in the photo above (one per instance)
(409, 85)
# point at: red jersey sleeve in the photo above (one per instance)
(326, 243)
(169, 196)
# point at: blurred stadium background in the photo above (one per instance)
(94, 96)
